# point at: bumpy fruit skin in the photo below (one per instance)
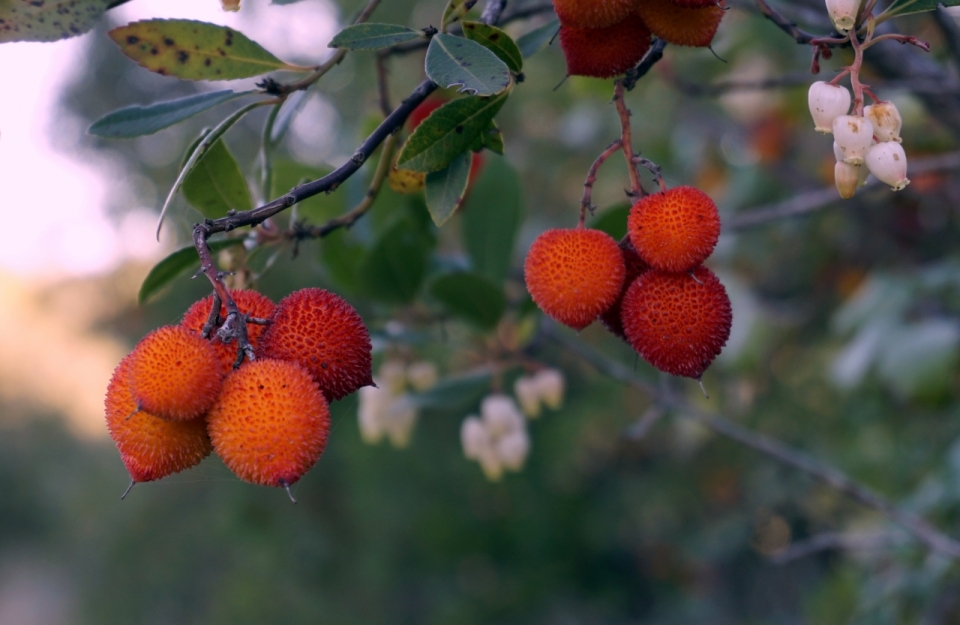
(249, 303)
(635, 268)
(678, 322)
(592, 13)
(698, 4)
(323, 333)
(679, 25)
(574, 275)
(604, 52)
(150, 447)
(271, 422)
(175, 374)
(674, 230)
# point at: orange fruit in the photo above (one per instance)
(681, 25)
(604, 52)
(249, 303)
(635, 268)
(592, 13)
(674, 230)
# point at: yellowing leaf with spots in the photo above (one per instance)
(49, 20)
(406, 181)
(195, 50)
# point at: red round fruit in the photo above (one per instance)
(249, 303)
(677, 322)
(150, 447)
(574, 275)
(635, 268)
(605, 52)
(592, 13)
(674, 230)
(681, 25)
(325, 335)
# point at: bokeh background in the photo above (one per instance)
(845, 344)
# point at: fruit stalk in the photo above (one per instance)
(586, 202)
(626, 140)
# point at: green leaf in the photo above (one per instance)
(373, 36)
(445, 188)
(459, 62)
(205, 144)
(493, 139)
(613, 221)
(491, 218)
(497, 41)
(906, 7)
(455, 393)
(176, 264)
(394, 269)
(455, 10)
(216, 185)
(195, 50)
(52, 20)
(471, 297)
(536, 39)
(135, 121)
(342, 255)
(448, 132)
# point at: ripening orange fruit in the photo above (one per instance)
(249, 303)
(175, 374)
(150, 447)
(681, 25)
(592, 13)
(699, 4)
(322, 332)
(674, 230)
(604, 52)
(677, 322)
(574, 275)
(271, 422)
(635, 268)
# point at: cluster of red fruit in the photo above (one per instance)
(651, 289)
(605, 38)
(177, 396)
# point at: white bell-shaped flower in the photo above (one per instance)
(551, 385)
(886, 121)
(846, 178)
(853, 136)
(843, 13)
(501, 415)
(888, 162)
(394, 376)
(528, 394)
(399, 420)
(513, 449)
(422, 375)
(374, 403)
(827, 102)
(474, 438)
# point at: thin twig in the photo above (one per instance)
(586, 202)
(832, 541)
(918, 527)
(626, 140)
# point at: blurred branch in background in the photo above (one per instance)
(833, 541)
(927, 534)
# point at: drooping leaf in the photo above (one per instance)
(396, 265)
(459, 62)
(373, 36)
(445, 188)
(448, 132)
(497, 41)
(195, 50)
(205, 144)
(491, 218)
(175, 265)
(455, 10)
(135, 121)
(491, 139)
(906, 7)
(455, 393)
(51, 20)
(536, 39)
(216, 185)
(471, 297)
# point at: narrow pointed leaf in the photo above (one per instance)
(373, 36)
(497, 41)
(458, 62)
(536, 39)
(448, 132)
(491, 218)
(175, 265)
(195, 50)
(198, 153)
(455, 10)
(906, 7)
(51, 20)
(396, 265)
(471, 297)
(135, 121)
(446, 188)
(216, 185)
